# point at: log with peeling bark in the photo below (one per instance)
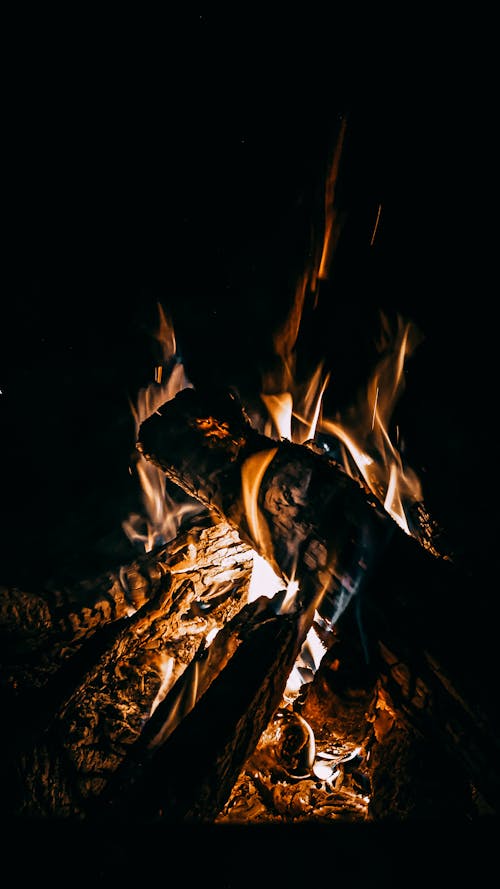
(40, 631)
(319, 525)
(63, 760)
(311, 521)
(186, 775)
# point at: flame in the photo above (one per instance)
(263, 581)
(293, 406)
(163, 515)
(181, 706)
(166, 666)
(252, 473)
(365, 433)
(332, 229)
(280, 410)
(294, 412)
(307, 663)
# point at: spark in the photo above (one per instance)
(375, 227)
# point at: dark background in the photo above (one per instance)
(201, 193)
(186, 167)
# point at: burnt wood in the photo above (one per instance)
(317, 521)
(187, 776)
(411, 599)
(68, 738)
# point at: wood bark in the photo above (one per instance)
(65, 757)
(313, 522)
(324, 524)
(187, 775)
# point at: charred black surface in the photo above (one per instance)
(189, 777)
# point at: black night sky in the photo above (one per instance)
(204, 200)
(194, 182)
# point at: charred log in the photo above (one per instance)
(67, 758)
(187, 775)
(314, 522)
(435, 667)
(317, 521)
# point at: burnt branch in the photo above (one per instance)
(188, 775)
(312, 521)
(320, 525)
(68, 755)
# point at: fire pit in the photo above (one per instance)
(265, 658)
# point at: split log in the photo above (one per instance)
(313, 522)
(187, 775)
(319, 526)
(38, 631)
(69, 761)
(432, 653)
(41, 631)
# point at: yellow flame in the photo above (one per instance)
(280, 411)
(183, 704)
(264, 581)
(281, 386)
(285, 338)
(162, 514)
(166, 669)
(165, 336)
(293, 407)
(315, 647)
(311, 406)
(365, 434)
(252, 473)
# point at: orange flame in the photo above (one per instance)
(252, 473)
(264, 581)
(293, 407)
(166, 666)
(332, 228)
(162, 515)
(365, 434)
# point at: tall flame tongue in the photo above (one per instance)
(362, 436)
(365, 432)
(162, 514)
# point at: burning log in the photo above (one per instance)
(38, 631)
(83, 729)
(311, 521)
(188, 774)
(297, 508)
(432, 679)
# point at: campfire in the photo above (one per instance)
(264, 658)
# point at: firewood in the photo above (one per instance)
(188, 775)
(314, 518)
(435, 669)
(72, 755)
(41, 631)
(318, 520)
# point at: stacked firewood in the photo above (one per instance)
(157, 691)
